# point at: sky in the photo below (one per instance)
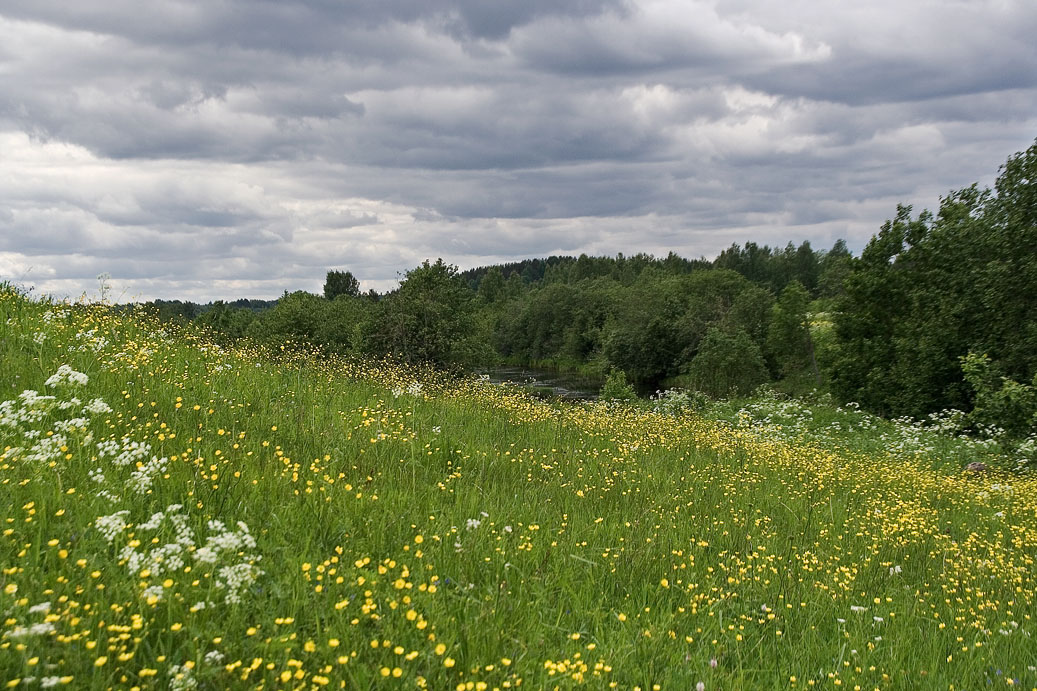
(202, 150)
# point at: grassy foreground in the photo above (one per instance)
(178, 515)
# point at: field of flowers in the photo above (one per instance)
(174, 514)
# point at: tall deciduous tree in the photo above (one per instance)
(341, 283)
(429, 319)
(788, 336)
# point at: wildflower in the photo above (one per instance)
(97, 407)
(66, 375)
(110, 526)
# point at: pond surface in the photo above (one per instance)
(567, 387)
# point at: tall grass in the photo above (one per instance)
(184, 515)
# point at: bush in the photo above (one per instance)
(1001, 404)
(617, 388)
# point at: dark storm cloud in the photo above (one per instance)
(205, 150)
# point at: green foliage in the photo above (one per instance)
(773, 268)
(558, 320)
(175, 310)
(341, 283)
(297, 317)
(429, 319)
(727, 364)
(1000, 403)
(617, 388)
(927, 290)
(834, 267)
(491, 287)
(228, 321)
(340, 324)
(788, 336)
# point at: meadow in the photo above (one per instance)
(176, 514)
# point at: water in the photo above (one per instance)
(567, 387)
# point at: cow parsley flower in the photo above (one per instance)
(110, 526)
(67, 376)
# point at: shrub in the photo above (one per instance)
(617, 388)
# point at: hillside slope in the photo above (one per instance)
(180, 515)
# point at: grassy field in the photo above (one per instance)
(178, 515)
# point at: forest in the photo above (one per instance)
(936, 316)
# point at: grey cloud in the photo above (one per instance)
(301, 27)
(250, 144)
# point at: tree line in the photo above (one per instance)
(938, 311)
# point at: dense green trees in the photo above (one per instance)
(727, 363)
(938, 311)
(789, 342)
(430, 318)
(929, 289)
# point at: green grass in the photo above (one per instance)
(384, 527)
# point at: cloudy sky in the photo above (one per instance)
(207, 149)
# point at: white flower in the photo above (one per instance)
(110, 526)
(144, 476)
(40, 629)
(235, 579)
(67, 375)
(154, 522)
(182, 678)
(214, 657)
(97, 407)
(154, 591)
(71, 424)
